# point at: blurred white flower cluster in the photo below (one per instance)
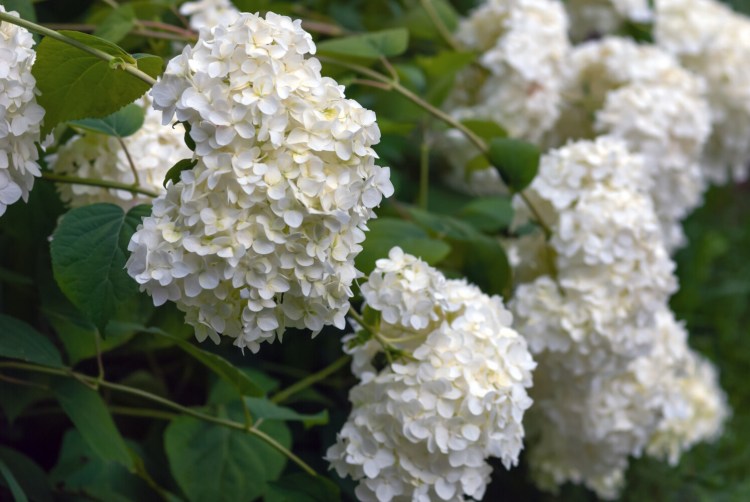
(20, 115)
(261, 234)
(516, 84)
(598, 319)
(423, 427)
(209, 13)
(591, 18)
(152, 149)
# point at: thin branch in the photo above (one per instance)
(440, 26)
(68, 372)
(74, 180)
(310, 380)
(36, 28)
(99, 361)
(133, 169)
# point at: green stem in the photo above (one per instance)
(310, 380)
(440, 26)
(36, 28)
(74, 180)
(424, 171)
(253, 430)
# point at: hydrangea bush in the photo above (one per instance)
(486, 244)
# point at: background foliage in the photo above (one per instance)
(62, 440)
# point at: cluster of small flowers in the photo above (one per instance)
(523, 44)
(641, 94)
(20, 115)
(149, 152)
(262, 233)
(422, 429)
(602, 325)
(714, 42)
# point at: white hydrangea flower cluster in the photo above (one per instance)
(603, 17)
(209, 13)
(602, 325)
(261, 234)
(523, 44)
(20, 115)
(154, 149)
(714, 42)
(422, 429)
(657, 405)
(642, 95)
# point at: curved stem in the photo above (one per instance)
(74, 180)
(36, 28)
(131, 163)
(310, 380)
(440, 26)
(253, 430)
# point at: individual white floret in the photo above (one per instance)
(20, 115)
(209, 13)
(423, 428)
(262, 233)
(714, 42)
(153, 150)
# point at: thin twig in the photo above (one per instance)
(136, 181)
(310, 380)
(440, 26)
(74, 180)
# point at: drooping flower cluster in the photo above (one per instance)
(523, 44)
(423, 428)
(149, 152)
(714, 42)
(599, 321)
(20, 115)
(261, 234)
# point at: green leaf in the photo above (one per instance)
(421, 25)
(89, 251)
(13, 402)
(443, 226)
(173, 174)
(301, 487)
(212, 463)
(445, 63)
(265, 409)
(75, 84)
(117, 24)
(15, 489)
(485, 129)
(27, 474)
(25, 8)
(89, 414)
(488, 214)
(80, 470)
(487, 266)
(386, 43)
(386, 233)
(223, 392)
(19, 340)
(120, 124)
(251, 5)
(517, 161)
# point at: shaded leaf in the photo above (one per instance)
(386, 233)
(117, 24)
(517, 161)
(485, 129)
(121, 124)
(265, 409)
(31, 478)
(488, 214)
(213, 463)
(89, 414)
(19, 340)
(10, 481)
(25, 8)
(301, 487)
(75, 84)
(386, 43)
(173, 174)
(89, 251)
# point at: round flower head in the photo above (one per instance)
(423, 428)
(20, 115)
(523, 44)
(714, 42)
(153, 149)
(262, 233)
